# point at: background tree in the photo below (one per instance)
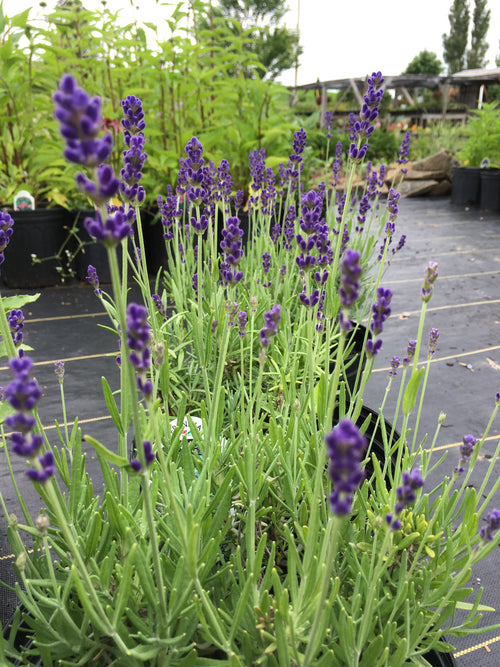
(455, 43)
(274, 45)
(426, 62)
(480, 24)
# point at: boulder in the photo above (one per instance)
(417, 188)
(440, 163)
(431, 176)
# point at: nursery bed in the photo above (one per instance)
(465, 373)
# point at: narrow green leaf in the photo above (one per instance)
(111, 405)
(410, 395)
(106, 454)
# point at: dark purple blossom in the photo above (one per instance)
(266, 262)
(337, 163)
(270, 329)
(6, 224)
(23, 393)
(395, 362)
(232, 251)
(80, 124)
(404, 151)
(430, 278)
(149, 457)
(345, 448)
(170, 212)
(392, 204)
(492, 525)
(116, 227)
(380, 310)
(242, 323)
(311, 300)
(328, 123)
(138, 342)
(93, 279)
(400, 245)
(289, 228)
(45, 469)
(406, 493)
(159, 306)
(350, 272)
(16, 324)
(433, 340)
(466, 451)
(104, 188)
(412, 346)
(200, 225)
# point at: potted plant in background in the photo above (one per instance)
(482, 142)
(28, 136)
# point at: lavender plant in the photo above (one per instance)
(277, 535)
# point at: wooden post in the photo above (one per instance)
(324, 97)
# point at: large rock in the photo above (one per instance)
(417, 188)
(431, 176)
(440, 164)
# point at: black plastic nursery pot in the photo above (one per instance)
(437, 659)
(355, 361)
(466, 186)
(41, 232)
(490, 190)
(92, 252)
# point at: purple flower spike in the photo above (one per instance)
(433, 340)
(159, 306)
(270, 329)
(492, 525)
(406, 493)
(404, 151)
(466, 451)
(133, 121)
(232, 247)
(395, 362)
(80, 124)
(93, 279)
(328, 123)
(114, 229)
(380, 310)
(349, 280)
(6, 224)
(138, 341)
(149, 455)
(430, 278)
(16, 324)
(133, 158)
(104, 189)
(345, 447)
(412, 346)
(59, 370)
(47, 469)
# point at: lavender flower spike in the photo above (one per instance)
(406, 494)
(345, 448)
(429, 280)
(270, 329)
(138, 341)
(80, 124)
(466, 451)
(6, 224)
(492, 525)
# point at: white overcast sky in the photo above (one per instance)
(340, 38)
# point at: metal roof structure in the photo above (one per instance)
(468, 81)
